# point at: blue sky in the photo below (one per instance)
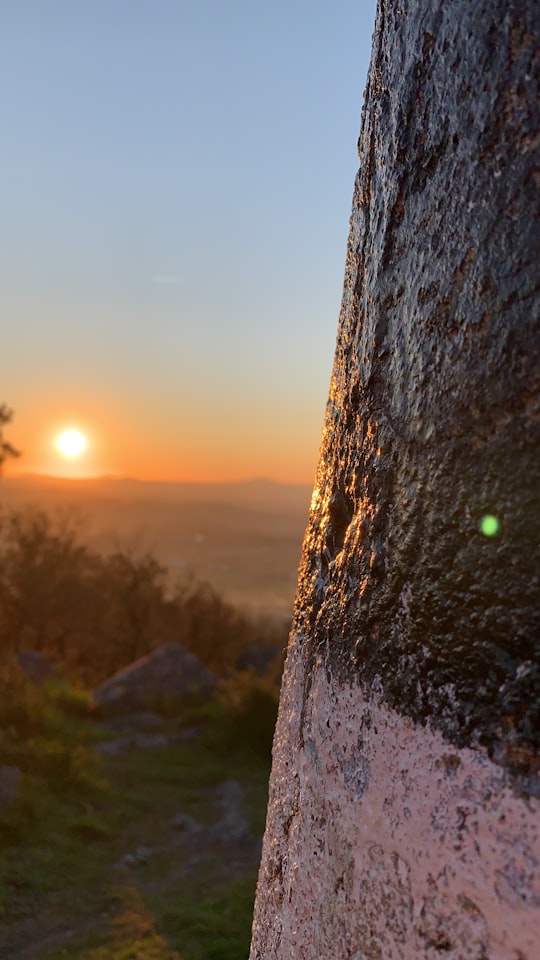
(177, 181)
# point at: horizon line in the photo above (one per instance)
(34, 475)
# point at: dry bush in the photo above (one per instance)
(93, 614)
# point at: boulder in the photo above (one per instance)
(137, 741)
(170, 671)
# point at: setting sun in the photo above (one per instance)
(71, 443)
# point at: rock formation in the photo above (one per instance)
(404, 809)
(169, 671)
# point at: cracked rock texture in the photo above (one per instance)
(404, 802)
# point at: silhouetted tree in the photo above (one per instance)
(93, 614)
(6, 449)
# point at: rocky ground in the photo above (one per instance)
(149, 851)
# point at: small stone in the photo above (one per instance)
(10, 785)
(233, 828)
(149, 741)
(111, 748)
(137, 859)
(138, 741)
(183, 823)
(144, 721)
(229, 794)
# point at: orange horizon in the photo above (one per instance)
(11, 474)
(192, 450)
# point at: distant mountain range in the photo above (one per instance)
(259, 492)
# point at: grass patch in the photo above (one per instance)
(70, 845)
(216, 927)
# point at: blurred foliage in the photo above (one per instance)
(76, 812)
(45, 734)
(93, 614)
(7, 450)
(250, 705)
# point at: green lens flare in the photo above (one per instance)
(489, 525)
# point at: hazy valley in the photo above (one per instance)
(244, 538)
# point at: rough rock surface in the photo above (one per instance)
(385, 842)
(403, 814)
(169, 671)
(432, 421)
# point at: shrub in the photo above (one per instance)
(94, 614)
(43, 732)
(250, 703)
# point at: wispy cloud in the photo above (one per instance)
(166, 279)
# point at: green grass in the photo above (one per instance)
(63, 842)
(212, 927)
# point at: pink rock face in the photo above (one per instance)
(385, 842)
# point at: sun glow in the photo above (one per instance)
(71, 443)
